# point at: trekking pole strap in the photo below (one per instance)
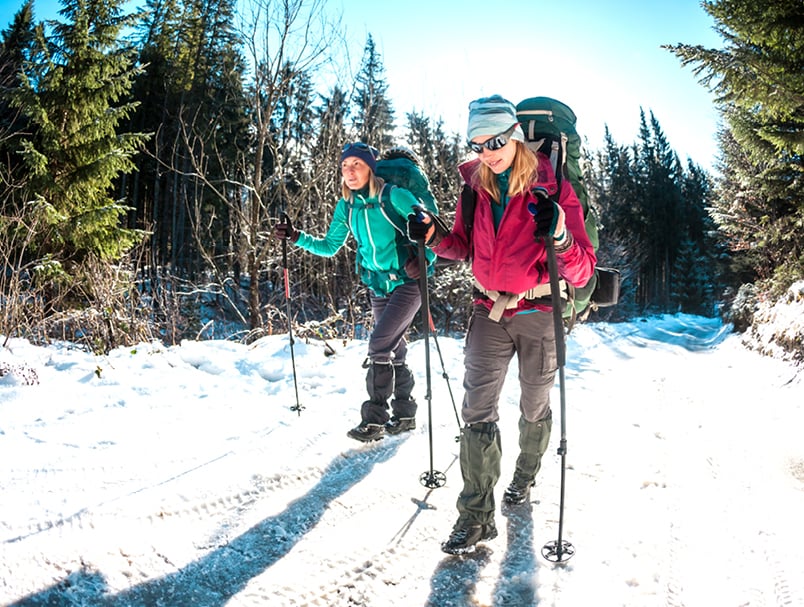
(552, 265)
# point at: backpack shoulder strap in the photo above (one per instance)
(468, 204)
(381, 204)
(390, 187)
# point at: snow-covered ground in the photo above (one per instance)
(181, 477)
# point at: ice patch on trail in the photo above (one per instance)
(693, 333)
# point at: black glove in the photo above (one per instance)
(285, 230)
(421, 225)
(547, 215)
(424, 225)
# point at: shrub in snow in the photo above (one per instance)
(741, 311)
(778, 327)
(18, 373)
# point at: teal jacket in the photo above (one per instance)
(379, 227)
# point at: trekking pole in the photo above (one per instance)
(297, 407)
(445, 375)
(431, 478)
(559, 550)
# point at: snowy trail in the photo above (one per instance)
(180, 477)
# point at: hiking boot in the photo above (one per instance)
(517, 492)
(367, 432)
(463, 538)
(397, 425)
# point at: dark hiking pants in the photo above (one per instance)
(387, 352)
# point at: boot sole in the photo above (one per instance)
(472, 548)
(460, 551)
(361, 439)
(516, 502)
(396, 432)
(364, 439)
(513, 500)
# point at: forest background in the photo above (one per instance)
(145, 157)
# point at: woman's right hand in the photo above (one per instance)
(284, 230)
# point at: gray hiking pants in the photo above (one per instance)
(392, 317)
(490, 346)
(388, 374)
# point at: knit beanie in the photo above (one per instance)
(492, 116)
(361, 150)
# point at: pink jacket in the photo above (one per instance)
(511, 260)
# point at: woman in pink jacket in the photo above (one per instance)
(514, 191)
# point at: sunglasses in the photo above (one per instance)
(493, 143)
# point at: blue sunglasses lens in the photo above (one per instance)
(494, 143)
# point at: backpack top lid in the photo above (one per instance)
(400, 151)
(399, 166)
(548, 123)
(545, 115)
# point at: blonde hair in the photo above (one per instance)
(374, 183)
(523, 173)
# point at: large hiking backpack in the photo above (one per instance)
(549, 127)
(399, 166)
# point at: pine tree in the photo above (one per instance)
(739, 212)
(692, 287)
(651, 213)
(331, 280)
(612, 190)
(374, 119)
(16, 48)
(16, 231)
(759, 78)
(761, 69)
(74, 95)
(192, 99)
(659, 193)
(439, 154)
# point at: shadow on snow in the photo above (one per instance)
(215, 578)
(454, 582)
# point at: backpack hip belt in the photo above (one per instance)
(508, 301)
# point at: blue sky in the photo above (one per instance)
(601, 57)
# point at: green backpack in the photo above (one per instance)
(549, 128)
(399, 166)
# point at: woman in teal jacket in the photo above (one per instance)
(376, 213)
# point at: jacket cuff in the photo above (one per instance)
(435, 239)
(565, 244)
